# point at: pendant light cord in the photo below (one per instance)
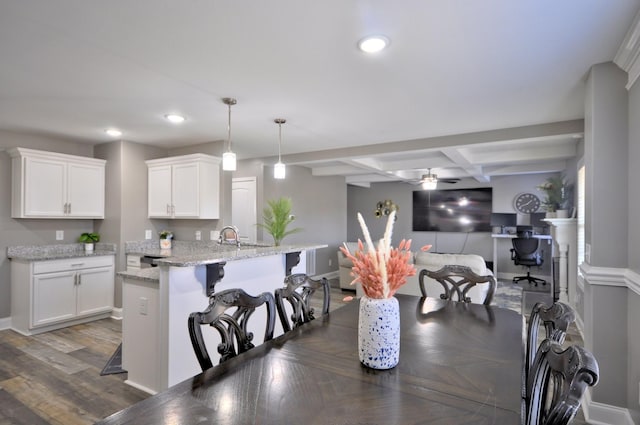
(279, 141)
(229, 128)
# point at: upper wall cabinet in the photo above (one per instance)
(184, 187)
(54, 185)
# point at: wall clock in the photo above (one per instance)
(526, 203)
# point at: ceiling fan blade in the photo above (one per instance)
(450, 181)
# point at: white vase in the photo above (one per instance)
(165, 243)
(88, 247)
(379, 332)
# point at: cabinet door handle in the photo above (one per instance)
(77, 264)
(173, 210)
(75, 279)
(79, 279)
(69, 210)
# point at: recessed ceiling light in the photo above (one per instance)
(373, 44)
(113, 132)
(174, 118)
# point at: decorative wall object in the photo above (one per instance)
(384, 208)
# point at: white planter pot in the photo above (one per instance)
(562, 214)
(88, 247)
(165, 243)
(379, 332)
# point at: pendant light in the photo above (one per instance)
(279, 169)
(229, 158)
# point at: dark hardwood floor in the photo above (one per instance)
(54, 378)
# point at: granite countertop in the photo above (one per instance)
(197, 253)
(56, 252)
(151, 274)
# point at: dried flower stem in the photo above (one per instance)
(381, 272)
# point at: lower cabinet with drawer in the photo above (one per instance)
(47, 295)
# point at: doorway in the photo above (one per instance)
(243, 207)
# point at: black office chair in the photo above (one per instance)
(525, 253)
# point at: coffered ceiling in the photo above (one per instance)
(469, 89)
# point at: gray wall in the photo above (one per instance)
(633, 259)
(606, 139)
(319, 204)
(126, 198)
(608, 308)
(31, 231)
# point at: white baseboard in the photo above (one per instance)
(116, 313)
(604, 414)
(140, 387)
(5, 323)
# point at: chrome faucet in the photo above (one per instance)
(235, 231)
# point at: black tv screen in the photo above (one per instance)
(454, 210)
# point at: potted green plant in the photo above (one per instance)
(165, 239)
(89, 239)
(558, 194)
(276, 217)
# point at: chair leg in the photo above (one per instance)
(530, 279)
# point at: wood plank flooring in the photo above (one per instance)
(54, 378)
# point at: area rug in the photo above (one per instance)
(508, 295)
(114, 365)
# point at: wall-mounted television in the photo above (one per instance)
(452, 210)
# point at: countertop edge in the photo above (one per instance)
(232, 255)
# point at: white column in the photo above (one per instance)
(563, 231)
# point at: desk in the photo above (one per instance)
(459, 364)
(497, 236)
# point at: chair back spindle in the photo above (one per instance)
(232, 326)
(457, 280)
(298, 291)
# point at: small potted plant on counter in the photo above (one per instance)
(165, 239)
(89, 239)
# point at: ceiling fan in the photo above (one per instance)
(429, 181)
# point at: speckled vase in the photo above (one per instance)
(379, 332)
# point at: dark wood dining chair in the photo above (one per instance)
(457, 280)
(559, 377)
(556, 320)
(232, 326)
(298, 290)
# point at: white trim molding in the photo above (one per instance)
(116, 313)
(595, 412)
(604, 414)
(603, 276)
(611, 276)
(628, 56)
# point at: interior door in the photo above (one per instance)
(243, 207)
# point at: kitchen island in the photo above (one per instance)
(156, 303)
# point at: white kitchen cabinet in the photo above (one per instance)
(53, 185)
(48, 295)
(184, 187)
